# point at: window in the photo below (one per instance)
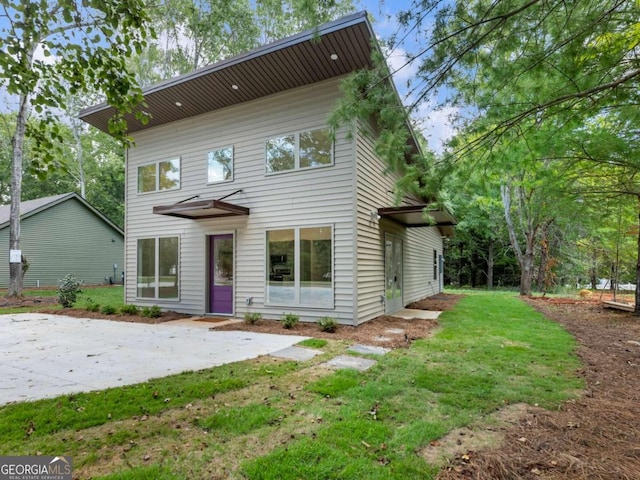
(435, 264)
(309, 149)
(157, 275)
(300, 267)
(220, 165)
(158, 176)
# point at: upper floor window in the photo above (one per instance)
(220, 165)
(307, 149)
(163, 175)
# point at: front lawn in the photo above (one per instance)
(270, 418)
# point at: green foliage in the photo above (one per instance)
(108, 310)
(129, 309)
(289, 320)
(68, 290)
(151, 312)
(90, 305)
(252, 317)
(328, 324)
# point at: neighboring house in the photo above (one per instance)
(238, 200)
(60, 235)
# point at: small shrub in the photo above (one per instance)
(328, 324)
(252, 317)
(151, 312)
(68, 290)
(108, 310)
(91, 306)
(289, 320)
(129, 309)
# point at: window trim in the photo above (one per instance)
(296, 246)
(233, 166)
(296, 152)
(157, 186)
(156, 297)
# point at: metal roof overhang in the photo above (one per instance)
(331, 50)
(201, 209)
(413, 216)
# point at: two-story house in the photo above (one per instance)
(239, 200)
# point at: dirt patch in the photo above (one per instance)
(594, 437)
(462, 442)
(118, 317)
(11, 302)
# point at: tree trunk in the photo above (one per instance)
(636, 310)
(525, 260)
(15, 269)
(490, 263)
(75, 127)
(526, 266)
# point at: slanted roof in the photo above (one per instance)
(32, 207)
(414, 216)
(330, 50)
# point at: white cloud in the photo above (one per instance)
(436, 124)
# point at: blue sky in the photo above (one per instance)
(433, 123)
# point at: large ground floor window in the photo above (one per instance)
(300, 266)
(157, 272)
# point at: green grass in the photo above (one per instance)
(313, 343)
(112, 296)
(269, 418)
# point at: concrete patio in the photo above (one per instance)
(45, 355)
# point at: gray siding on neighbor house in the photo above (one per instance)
(316, 197)
(65, 238)
(374, 190)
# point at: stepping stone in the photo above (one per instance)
(410, 314)
(395, 331)
(382, 339)
(297, 353)
(368, 350)
(348, 361)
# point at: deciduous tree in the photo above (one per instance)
(51, 49)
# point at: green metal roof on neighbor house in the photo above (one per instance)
(63, 234)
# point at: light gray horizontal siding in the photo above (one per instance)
(374, 190)
(65, 238)
(314, 197)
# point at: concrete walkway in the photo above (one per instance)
(44, 356)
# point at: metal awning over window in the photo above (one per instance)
(413, 216)
(201, 209)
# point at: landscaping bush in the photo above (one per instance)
(129, 309)
(252, 317)
(151, 312)
(108, 310)
(91, 306)
(289, 320)
(328, 324)
(68, 290)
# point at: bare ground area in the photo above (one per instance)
(596, 436)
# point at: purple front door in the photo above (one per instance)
(221, 273)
